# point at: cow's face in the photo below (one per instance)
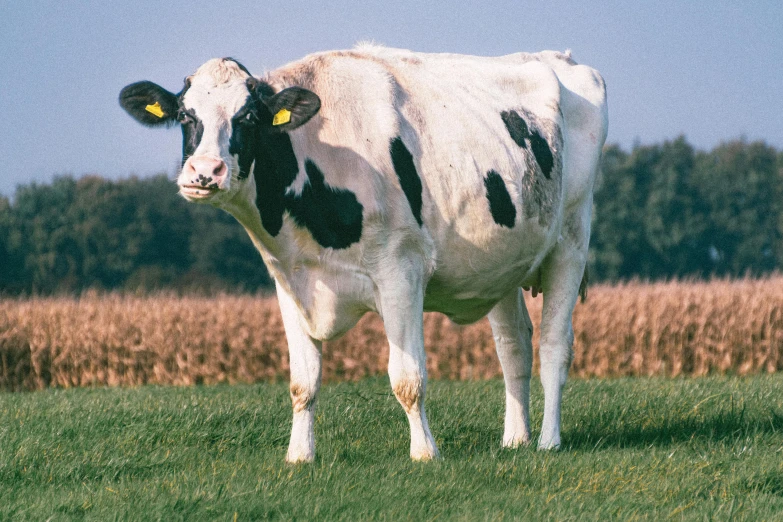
(226, 116)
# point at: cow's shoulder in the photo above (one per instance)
(331, 73)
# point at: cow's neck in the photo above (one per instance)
(322, 218)
(275, 168)
(260, 205)
(257, 221)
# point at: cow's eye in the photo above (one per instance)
(247, 119)
(183, 117)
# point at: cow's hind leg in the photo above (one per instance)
(402, 305)
(513, 331)
(561, 280)
(305, 362)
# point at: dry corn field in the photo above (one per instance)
(632, 329)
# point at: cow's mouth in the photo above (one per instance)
(198, 191)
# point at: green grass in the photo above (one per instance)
(655, 449)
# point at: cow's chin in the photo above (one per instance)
(198, 193)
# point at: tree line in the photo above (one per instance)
(133, 235)
(669, 211)
(661, 211)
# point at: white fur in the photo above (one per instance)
(446, 109)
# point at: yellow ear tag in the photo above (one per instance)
(283, 116)
(155, 109)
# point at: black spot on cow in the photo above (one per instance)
(275, 169)
(409, 178)
(192, 131)
(248, 141)
(333, 216)
(519, 131)
(543, 153)
(500, 205)
(516, 127)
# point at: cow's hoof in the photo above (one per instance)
(551, 445)
(515, 441)
(425, 456)
(299, 457)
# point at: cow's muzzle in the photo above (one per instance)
(202, 177)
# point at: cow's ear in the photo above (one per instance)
(149, 104)
(292, 107)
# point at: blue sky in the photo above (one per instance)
(712, 70)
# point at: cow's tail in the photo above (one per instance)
(583, 285)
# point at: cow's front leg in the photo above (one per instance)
(305, 362)
(402, 309)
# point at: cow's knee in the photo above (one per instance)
(409, 392)
(302, 397)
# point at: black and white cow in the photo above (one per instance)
(385, 180)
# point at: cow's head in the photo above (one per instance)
(225, 114)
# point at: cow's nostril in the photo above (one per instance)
(206, 168)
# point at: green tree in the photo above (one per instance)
(134, 233)
(673, 221)
(615, 228)
(46, 238)
(13, 277)
(779, 213)
(225, 254)
(739, 185)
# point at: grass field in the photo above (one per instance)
(647, 448)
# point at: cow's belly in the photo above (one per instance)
(480, 265)
(461, 311)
